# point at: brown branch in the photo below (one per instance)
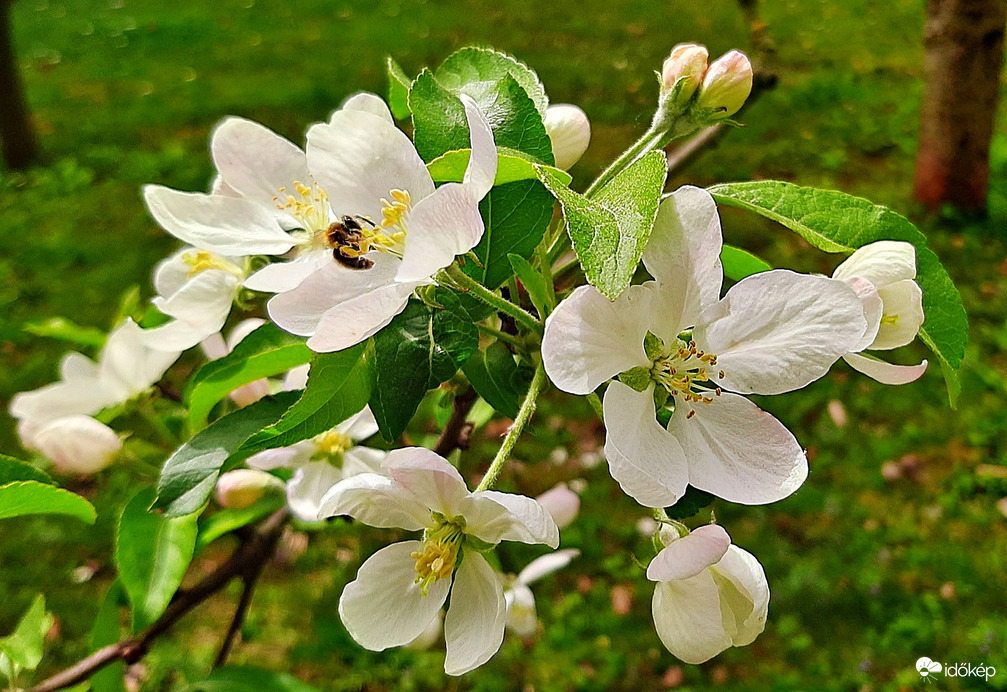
(247, 560)
(247, 587)
(455, 434)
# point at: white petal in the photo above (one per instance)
(79, 396)
(569, 131)
(690, 555)
(308, 486)
(358, 158)
(227, 225)
(873, 309)
(474, 626)
(179, 335)
(243, 329)
(482, 168)
(903, 302)
(779, 331)
(688, 618)
(78, 445)
(683, 252)
(589, 338)
(367, 102)
(885, 373)
(255, 161)
(359, 426)
(200, 308)
(524, 520)
(283, 458)
(376, 500)
(280, 277)
(429, 477)
(744, 595)
(383, 606)
(248, 394)
(214, 346)
(521, 617)
(562, 504)
(127, 366)
(546, 564)
(359, 319)
(643, 457)
(296, 378)
(882, 263)
(76, 366)
(441, 226)
(362, 460)
(171, 274)
(739, 452)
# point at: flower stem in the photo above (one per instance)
(467, 283)
(595, 402)
(523, 416)
(501, 336)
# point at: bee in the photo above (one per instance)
(345, 237)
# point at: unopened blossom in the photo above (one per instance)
(569, 131)
(401, 588)
(883, 274)
(674, 341)
(710, 595)
(562, 503)
(77, 445)
(322, 461)
(685, 66)
(522, 619)
(215, 346)
(241, 488)
(726, 85)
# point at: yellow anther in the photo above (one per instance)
(203, 260)
(333, 444)
(401, 196)
(890, 320)
(439, 555)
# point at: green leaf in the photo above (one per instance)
(25, 645)
(739, 263)
(472, 64)
(398, 89)
(190, 474)
(690, 503)
(62, 329)
(464, 303)
(420, 348)
(152, 554)
(249, 679)
(497, 378)
(105, 631)
(512, 165)
(266, 352)
(32, 497)
(539, 290)
(610, 230)
(339, 385)
(439, 122)
(836, 222)
(12, 470)
(227, 520)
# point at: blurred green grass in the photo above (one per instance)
(867, 574)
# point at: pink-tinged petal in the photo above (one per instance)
(688, 618)
(562, 504)
(779, 331)
(359, 319)
(744, 595)
(384, 606)
(366, 102)
(214, 346)
(885, 373)
(283, 458)
(255, 161)
(248, 394)
(308, 486)
(882, 263)
(482, 168)
(524, 519)
(376, 500)
(474, 626)
(646, 460)
(903, 301)
(77, 445)
(683, 252)
(226, 225)
(441, 226)
(296, 378)
(589, 338)
(739, 452)
(873, 309)
(358, 158)
(546, 564)
(280, 277)
(429, 477)
(690, 555)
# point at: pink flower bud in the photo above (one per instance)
(727, 84)
(570, 133)
(562, 504)
(687, 61)
(77, 445)
(244, 487)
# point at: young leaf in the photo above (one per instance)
(32, 497)
(512, 165)
(189, 475)
(740, 263)
(539, 290)
(339, 385)
(105, 631)
(227, 520)
(152, 554)
(398, 89)
(265, 352)
(836, 222)
(62, 329)
(12, 470)
(25, 645)
(497, 378)
(610, 230)
(248, 679)
(419, 349)
(439, 122)
(473, 64)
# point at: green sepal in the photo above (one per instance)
(654, 347)
(637, 378)
(661, 396)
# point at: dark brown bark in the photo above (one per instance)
(17, 140)
(964, 55)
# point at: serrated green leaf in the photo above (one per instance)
(420, 348)
(249, 679)
(152, 554)
(610, 230)
(24, 646)
(105, 631)
(62, 329)
(439, 122)
(225, 521)
(339, 385)
(739, 263)
(398, 89)
(473, 64)
(539, 290)
(12, 470)
(32, 497)
(690, 503)
(497, 378)
(266, 352)
(190, 474)
(837, 222)
(512, 165)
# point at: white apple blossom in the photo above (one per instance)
(676, 340)
(77, 445)
(882, 274)
(400, 588)
(562, 503)
(569, 132)
(522, 619)
(710, 595)
(351, 167)
(215, 346)
(323, 461)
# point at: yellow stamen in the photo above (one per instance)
(332, 445)
(203, 260)
(439, 555)
(890, 320)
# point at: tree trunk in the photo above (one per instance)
(964, 54)
(17, 141)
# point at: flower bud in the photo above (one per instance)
(77, 445)
(562, 504)
(244, 487)
(726, 85)
(570, 132)
(686, 62)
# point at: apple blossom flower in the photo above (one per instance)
(882, 274)
(215, 346)
(726, 85)
(710, 595)
(323, 461)
(77, 445)
(675, 341)
(521, 616)
(400, 588)
(562, 503)
(688, 63)
(569, 131)
(241, 488)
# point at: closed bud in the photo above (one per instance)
(726, 85)
(687, 62)
(570, 133)
(562, 504)
(77, 445)
(244, 487)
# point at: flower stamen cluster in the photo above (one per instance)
(439, 556)
(685, 370)
(203, 260)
